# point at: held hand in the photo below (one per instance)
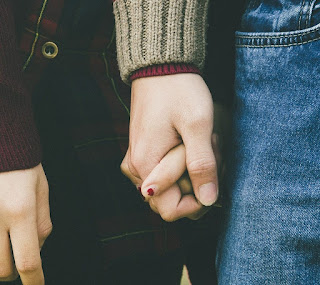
(24, 224)
(165, 112)
(173, 199)
(167, 177)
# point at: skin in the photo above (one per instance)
(172, 122)
(171, 170)
(168, 112)
(24, 224)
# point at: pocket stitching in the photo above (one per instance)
(284, 45)
(265, 40)
(279, 37)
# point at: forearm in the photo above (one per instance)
(19, 142)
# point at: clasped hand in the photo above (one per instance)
(171, 128)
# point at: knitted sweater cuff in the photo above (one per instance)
(19, 141)
(153, 32)
(164, 69)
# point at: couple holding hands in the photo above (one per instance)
(67, 121)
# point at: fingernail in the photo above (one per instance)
(150, 192)
(208, 194)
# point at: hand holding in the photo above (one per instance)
(165, 112)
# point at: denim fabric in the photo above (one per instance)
(272, 217)
(280, 15)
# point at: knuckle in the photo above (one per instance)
(124, 168)
(200, 121)
(201, 165)
(137, 160)
(28, 266)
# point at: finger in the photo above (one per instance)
(130, 166)
(25, 245)
(202, 167)
(153, 206)
(198, 215)
(7, 268)
(127, 172)
(189, 207)
(171, 168)
(166, 173)
(172, 206)
(185, 184)
(43, 211)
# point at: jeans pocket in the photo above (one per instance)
(315, 13)
(273, 16)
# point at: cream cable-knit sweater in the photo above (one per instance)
(151, 32)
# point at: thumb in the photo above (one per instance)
(202, 168)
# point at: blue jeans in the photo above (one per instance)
(272, 217)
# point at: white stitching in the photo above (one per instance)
(300, 17)
(278, 37)
(285, 45)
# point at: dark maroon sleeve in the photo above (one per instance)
(19, 141)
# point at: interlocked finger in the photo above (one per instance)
(166, 173)
(127, 172)
(172, 205)
(185, 184)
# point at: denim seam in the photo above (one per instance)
(301, 12)
(284, 45)
(307, 23)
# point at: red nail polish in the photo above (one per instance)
(150, 192)
(139, 188)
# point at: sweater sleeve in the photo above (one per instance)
(160, 33)
(19, 141)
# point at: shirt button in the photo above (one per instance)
(50, 50)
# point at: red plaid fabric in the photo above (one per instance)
(82, 113)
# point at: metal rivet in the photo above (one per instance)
(50, 50)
